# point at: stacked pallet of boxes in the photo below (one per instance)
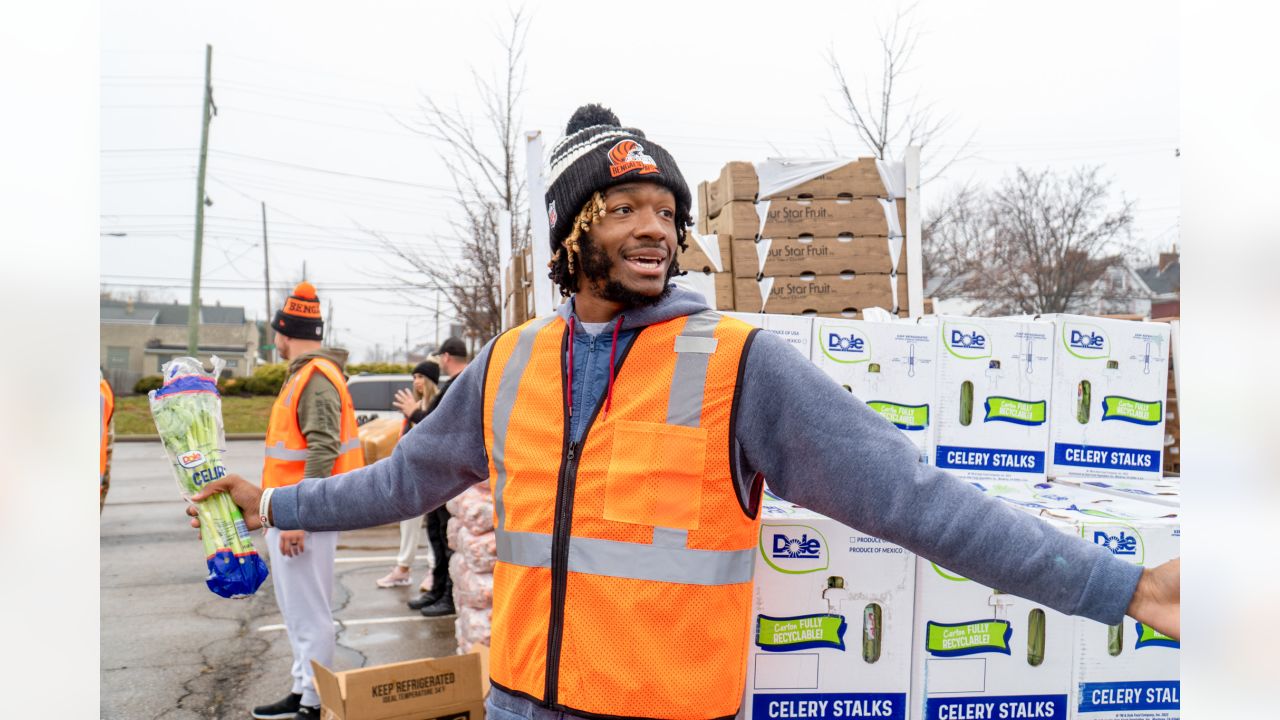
(805, 237)
(517, 301)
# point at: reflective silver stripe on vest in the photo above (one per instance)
(280, 452)
(670, 537)
(529, 549)
(636, 561)
(503, 403)
(689, 381)
(348, 446)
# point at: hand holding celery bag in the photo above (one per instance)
(188, 415)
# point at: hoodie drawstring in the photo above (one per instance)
(613, 352)
(613, 349)
(569, 388)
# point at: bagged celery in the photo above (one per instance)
(188, 415)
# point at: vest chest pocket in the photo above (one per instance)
(655, 475)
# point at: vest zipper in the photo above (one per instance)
(563, 528)
(560, 529)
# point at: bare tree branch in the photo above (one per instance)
(887, 125)
(482, 155)
(1038, 243)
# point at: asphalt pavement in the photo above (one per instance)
(172, 649)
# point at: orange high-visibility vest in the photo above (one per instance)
(287, 447)
(623, 581)
(107, 406)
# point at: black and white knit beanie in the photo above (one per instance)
(596, 154)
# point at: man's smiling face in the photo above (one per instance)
(627, 255)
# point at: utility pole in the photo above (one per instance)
(266, 276)
(193, 312)
(437, 318)
(328, 325)
(304, 269)
(406, 341)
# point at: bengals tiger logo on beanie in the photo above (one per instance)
(596, 154)
(300, 316)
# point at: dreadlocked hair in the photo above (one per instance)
(562, 265)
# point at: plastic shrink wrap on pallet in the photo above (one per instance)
(470, 535)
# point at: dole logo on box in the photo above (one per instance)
(1087, 342)
(1119, 544)
(849, 346)
(965, 341)
(793, 549)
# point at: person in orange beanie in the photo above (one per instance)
(312, 433)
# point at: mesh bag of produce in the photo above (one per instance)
(188, 414)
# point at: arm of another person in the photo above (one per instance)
(320, 421)
(822, 448)
(442, 457)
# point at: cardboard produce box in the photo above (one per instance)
(738, 181)
(831, 618)
(982, 653)
(1128, 670)
(1165, 491)
(698, 256)
(819, 218)
(446, 688)
(1108, 401)
(716, 288)
(817, 255)
(994, 381)
(378, 438)
(797, 330)
(889, 366)
(819, 293)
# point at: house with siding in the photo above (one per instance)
(137, 338)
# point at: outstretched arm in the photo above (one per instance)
(438, 459)
(821, 448)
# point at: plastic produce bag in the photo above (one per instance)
(188, 414)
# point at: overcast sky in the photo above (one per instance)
(312, 96)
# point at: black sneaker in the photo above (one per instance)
(440, 608)
(281, 710)
(423, 600)
(307, 712)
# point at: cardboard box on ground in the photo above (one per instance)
(428, 689)
(831, 620)
(1127, 670)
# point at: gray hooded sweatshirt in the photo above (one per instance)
(816, 444)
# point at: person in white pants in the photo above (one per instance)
(312, 433)
(304, 591)
(415, 406)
